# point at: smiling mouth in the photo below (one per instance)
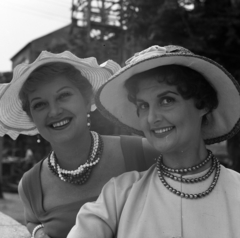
(60, 124)
(163, 130)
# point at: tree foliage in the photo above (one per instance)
(210, 28)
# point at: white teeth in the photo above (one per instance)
(163, 130)
(61, 123)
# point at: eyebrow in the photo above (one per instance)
(165, 93)
(59, 90)
(160, 95)
(34, 99)
(63, 88)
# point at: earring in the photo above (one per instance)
(88, 120)
(38, 138)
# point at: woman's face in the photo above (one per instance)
(169, 122)
(59, 110)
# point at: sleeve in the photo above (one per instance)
(28, 212)
(100, 219)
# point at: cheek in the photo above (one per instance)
(37, 118)
(142, 120)
(30, 116)
(34, 117)
(186, 128)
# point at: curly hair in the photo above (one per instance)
(49, 71)
(189, 83)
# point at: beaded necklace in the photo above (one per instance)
(194, 180)
(190, 169)
(83, 172)
(162, 171)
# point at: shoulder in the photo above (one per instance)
(33, 171)
(111, 141)
(20, 188)
(112, 146)
(130, 140)
(127, 180)
(30, 178)
(125, 142)
(118, 139)
(116, 145)
(230, 176)
(130, 184)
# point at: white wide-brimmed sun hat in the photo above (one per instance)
(13, 120)
(223, 123)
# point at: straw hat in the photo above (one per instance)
(224, 121)
(13, 120)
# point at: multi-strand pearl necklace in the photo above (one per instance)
(190, 169)
(82, 173)
(163, 170)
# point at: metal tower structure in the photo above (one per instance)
(104, 12)
(99, 23)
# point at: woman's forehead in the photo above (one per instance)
(153, 85)
(53, 85)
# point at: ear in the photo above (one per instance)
(91, 105)
(88, 106)
(204, 111)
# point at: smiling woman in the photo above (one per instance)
(52, 89)
(49, 70)
(163, 102)
(53, 96)
(181, 102)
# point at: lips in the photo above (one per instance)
(162, 130)
(60, 124)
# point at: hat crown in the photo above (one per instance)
(156, 50)
(46, 56)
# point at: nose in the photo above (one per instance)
(154, 115)
(54, 109)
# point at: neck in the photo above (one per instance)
(73, 153)
(187, 158)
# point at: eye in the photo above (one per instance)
(64, 95)
(39, 105)
(142, 106)
(165, 101)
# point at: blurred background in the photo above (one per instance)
(108, 29)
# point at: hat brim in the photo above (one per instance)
(13, 120)
(112, 99)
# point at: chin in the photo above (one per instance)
(162, 145)
(62, 139)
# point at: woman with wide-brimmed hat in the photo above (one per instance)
(181, 102)
(53, 96)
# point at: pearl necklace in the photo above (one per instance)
(195, 180)
(186, 195)
(82, 173)
(190, 169)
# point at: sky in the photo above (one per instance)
(22, 21)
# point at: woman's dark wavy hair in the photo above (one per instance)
(49, 71)
(189, 84)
